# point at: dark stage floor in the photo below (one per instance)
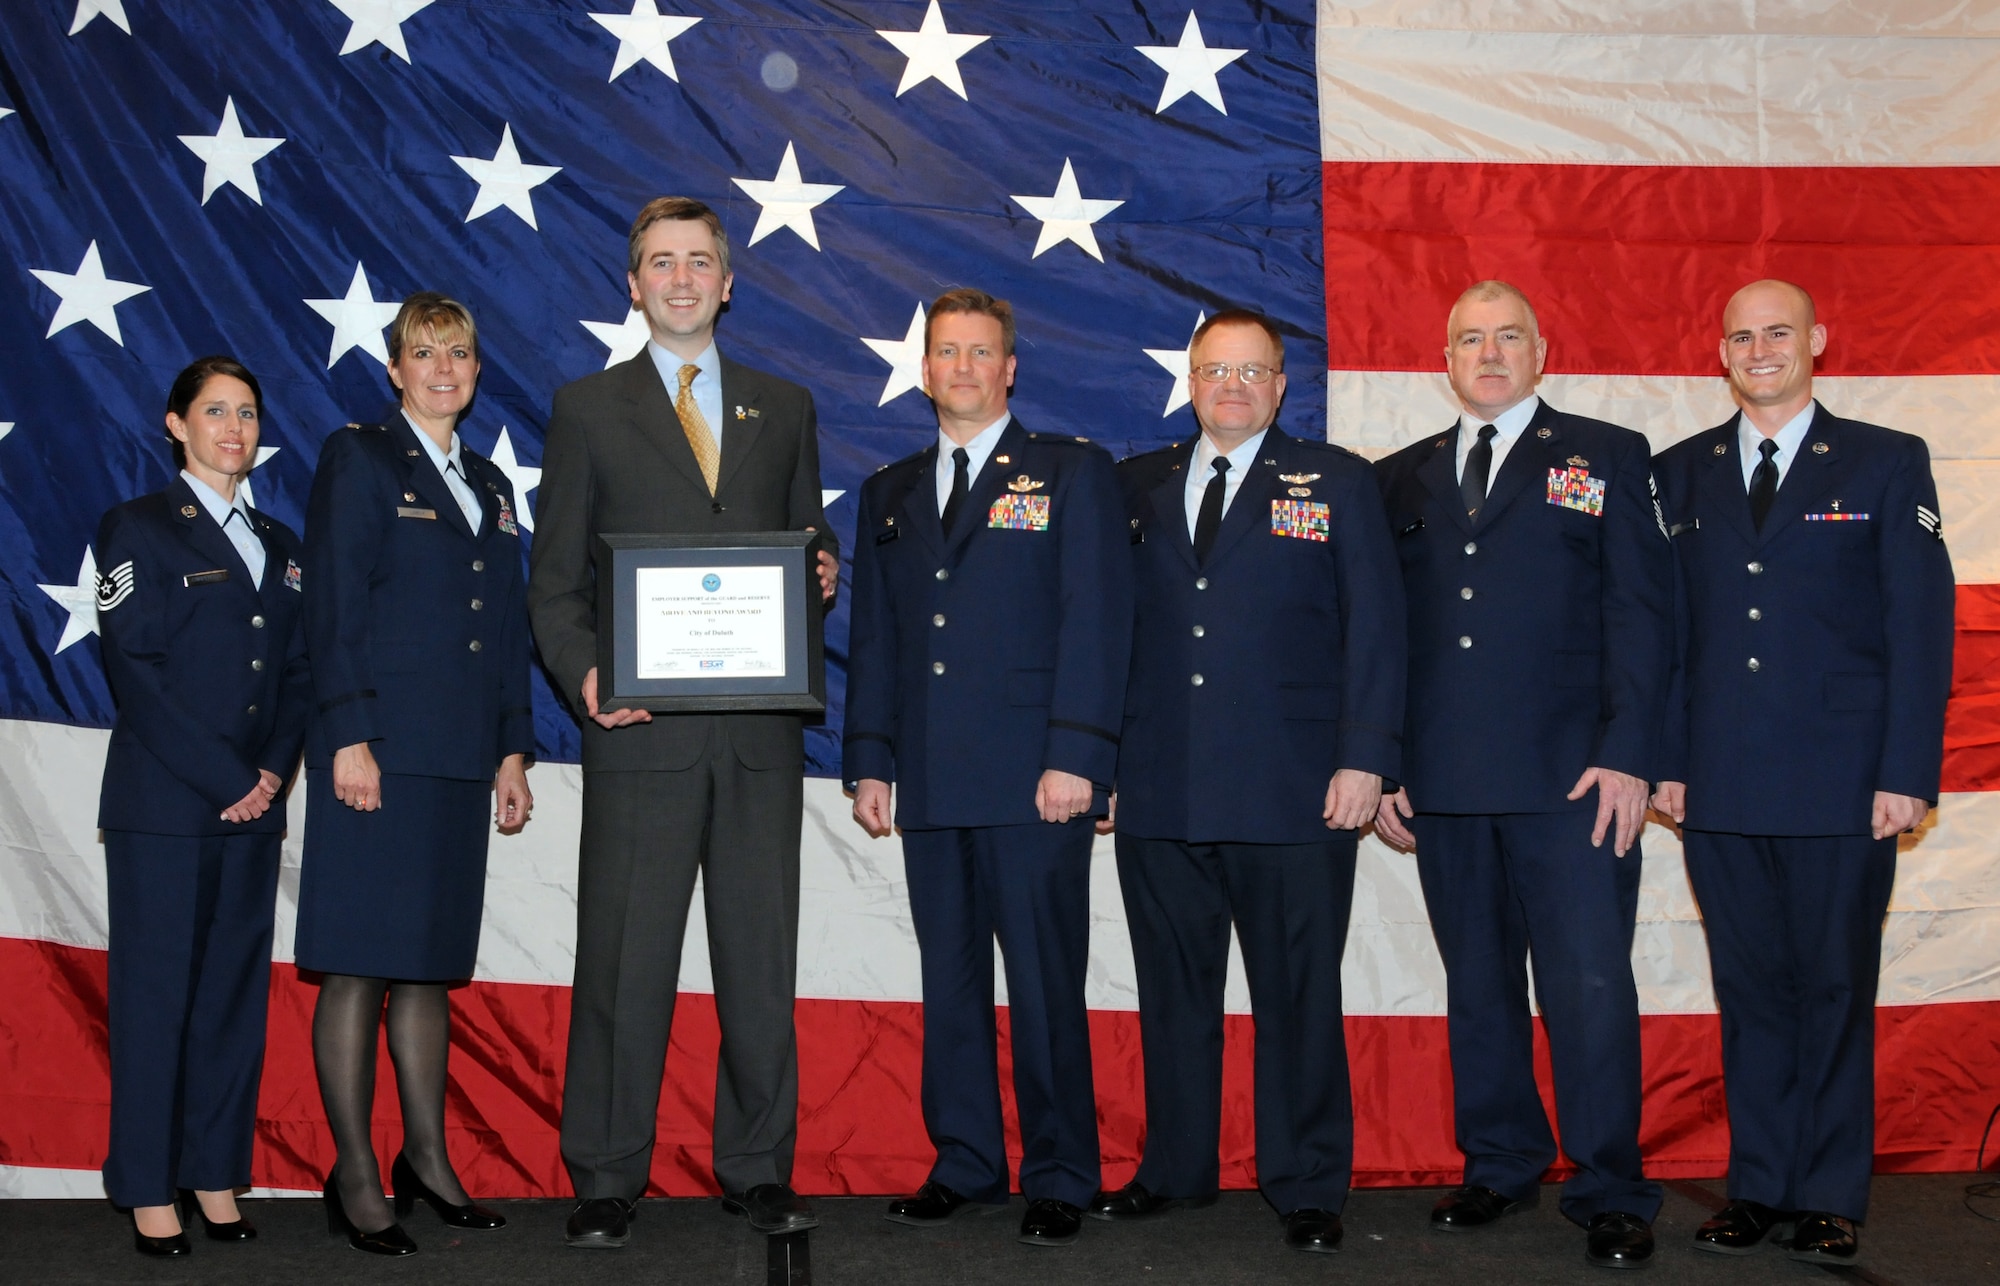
(1920, 1235)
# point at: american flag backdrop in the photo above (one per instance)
(269, 177)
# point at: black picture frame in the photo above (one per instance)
(621, 556)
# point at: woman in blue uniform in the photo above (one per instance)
(199, 609)
(423, 724)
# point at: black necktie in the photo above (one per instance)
(1764, 483)
(1478, 464)
(1209, 520)
(960, 463)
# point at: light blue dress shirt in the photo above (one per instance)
(707, 385)
(1507, 429)
(1202, 468)
(1789, 440)
(451, 466)
(234, 519)
(976, 452)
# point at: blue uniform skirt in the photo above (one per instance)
(396, 893)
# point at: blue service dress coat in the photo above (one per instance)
(209, 672)
(977, 663)
(419, 636)
(1813, 664)
(1294, 628)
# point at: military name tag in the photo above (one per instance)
(1019, 513)
(1299, 519)
(215, 577)
(406, 511)
(1575, 489)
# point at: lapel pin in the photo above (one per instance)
(1722, 448)
(410, 451)
(1577, 462)
(1024, 483)
(1545, 434)
(1821, 448)
(741, 414)
(1003, 459)
(187, 511)
(1439, 444)
(1272, 464)
(1835, 506)
(1299, 491)
(410, 496)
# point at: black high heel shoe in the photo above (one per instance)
(192, 1213)
(390, 1241)
(410, 1190)
(161, 1247)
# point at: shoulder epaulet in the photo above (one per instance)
(368, 428)
(1147, 455)
(1065, 439)
(1318, 444)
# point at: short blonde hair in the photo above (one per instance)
(445, 318)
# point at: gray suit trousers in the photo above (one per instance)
(645, 835)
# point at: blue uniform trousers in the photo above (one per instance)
(190, 984)
(1290, 905)
(1029, 886)
(1497, 887)
(1795, 947)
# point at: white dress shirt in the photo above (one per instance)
(707, 386)
(234, 519)
(1508, 427)
(1789, 439)
(1201, 470)
(451, 467)
(976, 452)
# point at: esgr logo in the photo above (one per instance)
(711, 582)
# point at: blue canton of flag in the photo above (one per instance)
(193, 176)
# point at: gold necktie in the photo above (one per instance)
(700, 437)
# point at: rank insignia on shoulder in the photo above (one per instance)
(1081, 438)
(1821, 448)
(187, 511)
(1025, 483)
(1576, 489)
(1928, 519)
(1299, 491)
(114, 586)
(505, 521)
(1577, 462)
(1019, 513)
(1298, 479)
(1545, 434)
(292, 575)
(1299, 519)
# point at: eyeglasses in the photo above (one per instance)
(1252, 372)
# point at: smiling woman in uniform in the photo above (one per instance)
(419, 636)
(198, 610)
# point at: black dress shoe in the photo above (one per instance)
(389, 1241)
(600, 1222)
(934, 1204)
(1050, 1223)
(1740, 1227)
(1472, 1206)
(1619, 1239)
(773, 1209)
(239, 1229)
(1136, 1201)
(161, 1247)
(1314, 1230)
(410, 1190)
(1828, 1239)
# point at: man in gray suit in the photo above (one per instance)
(678, 439)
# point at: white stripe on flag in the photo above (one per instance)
(1660, 82)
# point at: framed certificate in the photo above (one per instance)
(714, 623)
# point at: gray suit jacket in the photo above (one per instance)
(617, 460)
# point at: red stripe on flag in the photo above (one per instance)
(859, 1126)
(1972, 720)
(1629, 266)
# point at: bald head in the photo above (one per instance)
(1770, 337)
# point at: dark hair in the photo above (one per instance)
(967, 300)
(1241, 317)
(675, 207)
(187, 387)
